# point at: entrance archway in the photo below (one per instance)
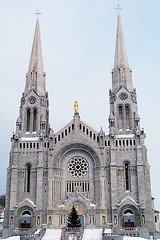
(25, 220)
(82, 220)
(80, 210)
(129, 218)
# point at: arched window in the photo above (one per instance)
(28, 120)
(143, 219)
(127, 115)
(115, 220)
(34, 120)
(155, 218)
(127, 182)
(129, 218)
(11, 221)
(28, 177)
(50, 220)
(120, 115)
(128, 211)
(38, 220)
(26, 213)
(103, 220)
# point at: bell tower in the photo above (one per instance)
(34, 114)
(26, 196)
(129, 169)
(124, 117)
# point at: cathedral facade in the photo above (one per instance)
(106, 177)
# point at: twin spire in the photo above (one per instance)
(35, 78)
(122, 74)
(120, 51)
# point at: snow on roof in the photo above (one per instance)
(125, 136)
(29, 139)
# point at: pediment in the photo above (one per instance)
(79, 131)
(26, 202)
(122, 89)
(127, 201)
(78, 198)
(32, 93)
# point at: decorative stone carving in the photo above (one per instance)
(77, 166)
(123, 96)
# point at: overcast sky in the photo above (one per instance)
(78, 44)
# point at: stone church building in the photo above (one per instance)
(105, 176)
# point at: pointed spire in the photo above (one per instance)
(35, 78)
(120, 52)
(121, 73)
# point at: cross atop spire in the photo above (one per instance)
(118, 9)
(38, 13)
(35, 78)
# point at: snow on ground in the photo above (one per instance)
(52, 234)
(94, 234)
(37, 231)
(133, 238)
(13, 238)
(106, 230)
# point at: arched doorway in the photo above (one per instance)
(82, 220)
(80, 210)
(129, 218)
(25, 220)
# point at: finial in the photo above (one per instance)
(118, 9)
(76, 107)
(38, 13)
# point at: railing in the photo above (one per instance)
(120, 233)
(30, 234)
(72, 233)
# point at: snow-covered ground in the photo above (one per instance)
(52, 234)
(89, 234)
(13, 238)
(94, 234)
(133, 238)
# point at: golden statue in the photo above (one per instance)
(76, 106)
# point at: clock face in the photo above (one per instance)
(32, 100)
(77, 166)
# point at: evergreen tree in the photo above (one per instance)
(73, 219)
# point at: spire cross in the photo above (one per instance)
(38, 13)
(118, 9)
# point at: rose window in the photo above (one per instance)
(77, 166)
(32, 100)
(123, 96)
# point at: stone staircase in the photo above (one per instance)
(31, 235)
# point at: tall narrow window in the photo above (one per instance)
(28, 177)
(38, 220)
(103, 220)
(34, 120)
(127, 175)
(127, 113)
(11, 221)
(28, 120)
(50, 220)
(120, 112)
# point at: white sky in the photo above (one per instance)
(78, 43)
